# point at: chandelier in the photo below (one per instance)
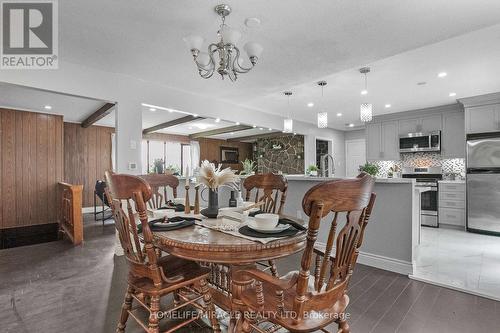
(366, 109)
(223, 56)
(322, 116)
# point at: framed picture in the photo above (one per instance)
(229, 155)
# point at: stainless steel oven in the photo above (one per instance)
(427, 180)
(420, 142)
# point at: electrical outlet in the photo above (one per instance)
(132, 166)
(133, 144)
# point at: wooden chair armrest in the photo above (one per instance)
(263, 276)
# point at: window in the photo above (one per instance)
(173, 154)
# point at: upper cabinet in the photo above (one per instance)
(382, 141)
(425, 124)
(453, 135)
(484, 118)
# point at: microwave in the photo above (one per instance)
(420, 142)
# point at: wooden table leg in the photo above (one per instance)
(238, 284)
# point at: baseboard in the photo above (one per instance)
(450, 286)
(386, 263)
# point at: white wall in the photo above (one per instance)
(355, 135)
(336, 137)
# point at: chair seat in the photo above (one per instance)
(173, 267)
(317, 317)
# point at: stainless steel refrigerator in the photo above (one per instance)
(483, 183)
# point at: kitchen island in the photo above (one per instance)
(392, 233)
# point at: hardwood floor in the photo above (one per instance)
(55, 287)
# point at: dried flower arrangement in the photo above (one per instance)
(213, 177)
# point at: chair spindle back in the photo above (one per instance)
(269, 188)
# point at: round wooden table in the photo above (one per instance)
(203, 244)
(234, 253)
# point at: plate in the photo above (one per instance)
(279, 228)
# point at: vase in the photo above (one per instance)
(213, 205)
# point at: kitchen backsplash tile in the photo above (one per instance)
(453, 165)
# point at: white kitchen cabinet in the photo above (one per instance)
(484, 118)
(453, 135)
(390, 141)
(382, 141)
(451, 203)
(431, 123)
(373, 142)
(424, 124)
(408, 126)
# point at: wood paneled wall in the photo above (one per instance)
(87, 155)
(31, 165)
(210, 150)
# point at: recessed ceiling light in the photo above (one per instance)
(203, 125)
(442, 74)
(47, 107)
(388, 106)
(453, 94)
(169, 110)
(261, 128)
(310, 104)
(232, 133)
(237, 123)
(350, 125)
(254, 126)
(364, 92)
(153, 109)
(270, 129)
(217, 120)
(195, 115)
(294, 133)
(339, 114)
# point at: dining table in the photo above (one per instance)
(226, 254)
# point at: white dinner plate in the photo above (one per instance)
(277, 229)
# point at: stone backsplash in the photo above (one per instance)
(449, 166)
(283, 153)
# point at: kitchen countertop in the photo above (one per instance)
(452, 181)
(322, 179)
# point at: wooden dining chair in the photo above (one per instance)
(160, 183)
(294, 303)
(151, 277)
(270, 189)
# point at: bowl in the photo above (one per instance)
(179, 201)
(266, 221)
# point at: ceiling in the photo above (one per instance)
(404, 41)
(72, 108)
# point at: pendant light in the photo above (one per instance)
(366, 109)
(288, 122)
(323, 115)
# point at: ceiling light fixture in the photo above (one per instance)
(217, 120)
(269, 129)
(153, 110)
(339, 114)
(453, 94)
(261, 128)
(388, 106)
(310, 104)
(232, 133)
(442, 74)
(322, 117)
(195, 115)
(350, 125)
(288, 122)
(228, 61)
(237, 123)
(365, 109)
(47, 107)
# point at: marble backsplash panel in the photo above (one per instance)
(449, 166)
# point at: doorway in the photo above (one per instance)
(355, 151)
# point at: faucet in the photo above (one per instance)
(325, 171)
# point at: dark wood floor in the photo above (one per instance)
(54, 287)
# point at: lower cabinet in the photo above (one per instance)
(451, 203)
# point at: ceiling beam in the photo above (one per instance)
(102, 112)
(260, 136)
(171, 123)
(235, 128)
